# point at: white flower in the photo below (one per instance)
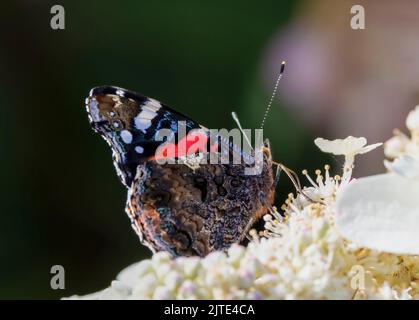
(381, 212)
(324, 187)
(162, 293)
(405, 165)
(396, 145)
(405, 150)
(412, 121)
(350, 146)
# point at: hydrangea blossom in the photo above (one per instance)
(300, 253)
(382, 212)
(403, 151)
(402, 144)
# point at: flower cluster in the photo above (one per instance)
(300, 254)
(403, 150)
(402, 144)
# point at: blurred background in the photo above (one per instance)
(61, 201)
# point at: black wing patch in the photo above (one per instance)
(129, 122)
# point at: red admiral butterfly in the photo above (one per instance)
(173, 207)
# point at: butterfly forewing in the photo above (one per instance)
(129, 122)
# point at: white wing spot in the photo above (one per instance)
(153, 104)
(126, 136)
(139, 149)
(148, 114)
(142, 124)
(143, 119)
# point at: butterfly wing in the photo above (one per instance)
(129, 123)
(134, 127)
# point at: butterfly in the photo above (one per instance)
(176, 207)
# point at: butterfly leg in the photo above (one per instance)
(294, 179)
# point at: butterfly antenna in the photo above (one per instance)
(268, 108)
(236, 119)
(280, 167)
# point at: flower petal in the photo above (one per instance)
(405, 166)
(369, 148)
(341, 146)
(412, 121)
(381, 212)
(395, 146)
